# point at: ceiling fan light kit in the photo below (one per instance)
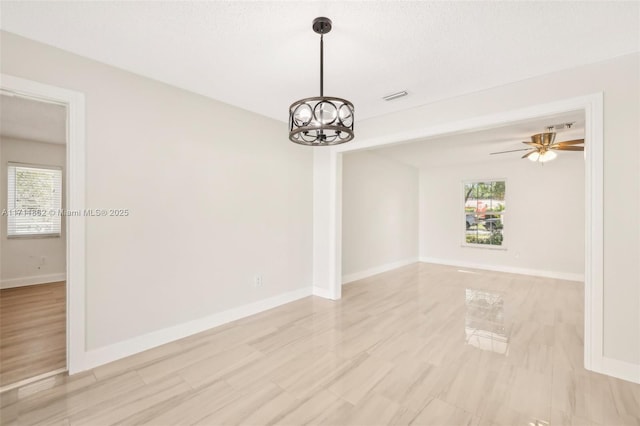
(321, 120)
(544, 157)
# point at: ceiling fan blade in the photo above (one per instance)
(529, 153)
(570, 148)
(573, 142)
(539, 145)
(557, 145)
(512, 150)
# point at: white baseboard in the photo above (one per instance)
(346, 279)
(96, 357)
(30, 380)
(509, 269)
(621, 369)
(37, 279)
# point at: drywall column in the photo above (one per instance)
(327, 170)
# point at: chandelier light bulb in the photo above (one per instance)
(303, 115)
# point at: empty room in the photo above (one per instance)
(32, 295)
(339, 213)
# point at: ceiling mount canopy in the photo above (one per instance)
(321, 120)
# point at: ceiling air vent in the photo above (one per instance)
(395, 95)
(560, 126)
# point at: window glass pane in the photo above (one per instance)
(484, 209)
(34, 200)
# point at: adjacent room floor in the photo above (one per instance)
(424, 344)
(32, 331)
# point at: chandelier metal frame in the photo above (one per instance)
(321, 120)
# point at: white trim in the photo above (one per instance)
(327, 200)
(33, 379)
(34, 165)
(138, 344)
(594, 234)
(508, 269)
(75, 200)
(346, 279)
(33, 280)
(621, 369)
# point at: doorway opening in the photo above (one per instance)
(43, 231)
(33, 140)
(328, 206)
(468, 200)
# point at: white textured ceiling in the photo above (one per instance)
(29, 119)
(262, 56)
(475, 147)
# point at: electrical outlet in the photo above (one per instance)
(257, 281)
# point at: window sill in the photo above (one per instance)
(484, 246)
(32, 236)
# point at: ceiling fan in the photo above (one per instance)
(542, 147)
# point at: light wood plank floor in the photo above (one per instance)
(423, 344)
(32, 331)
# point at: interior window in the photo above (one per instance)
(34, 200)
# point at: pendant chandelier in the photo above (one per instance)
(321, 120)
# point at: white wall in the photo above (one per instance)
(544, 216)
(619, 80)
(379, 213)
(216, 194)
(21, 257)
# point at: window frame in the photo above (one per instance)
(62, 183)
(464, 243)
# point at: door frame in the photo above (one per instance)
(327, 210)
(75, 202)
